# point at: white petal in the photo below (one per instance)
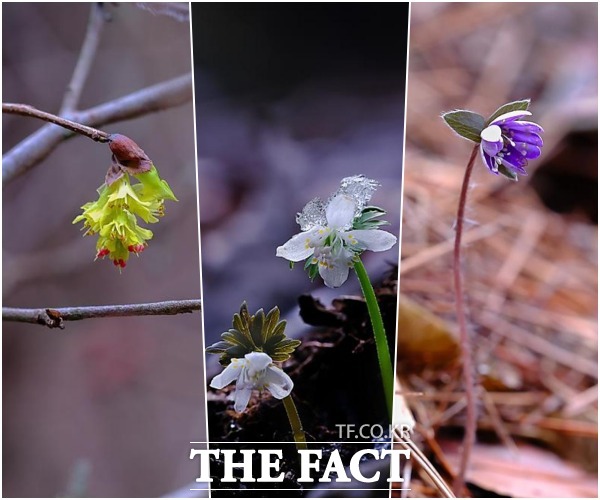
(340, 211)
(229, 374)
(334, 276)
(300, 246)
(375, 240)
(257, 361)
(513, 115)
(242, 396)
(278, 382)
(493, 133)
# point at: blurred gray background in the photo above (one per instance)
(290, 99)
(111, 403)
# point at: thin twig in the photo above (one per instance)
(55, 318)
(418, 456)
(35, 148)
(465, 341)
(498, 424)
(78, 128)
(85, 59)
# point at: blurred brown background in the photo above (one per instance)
(530, 248)
(108, 406)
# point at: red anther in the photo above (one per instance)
(116, 262)
(103, 252)
(122, 263)
(136, 248)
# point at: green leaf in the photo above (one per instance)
(271, 321)
(218, 347)
(522, 105)
(372, 224)
(235, 351)
(275, 331)
(256, 328)
(279, 329)
(245, 317)
(371, 213)
(235, 337)
(465, 123)
(509, 174)
(284, 349)
(313, 271)
(239, 325)
(287, 345)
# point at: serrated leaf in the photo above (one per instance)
(509, 174)
(522, 105)
(466, 124)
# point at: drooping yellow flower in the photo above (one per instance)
(113, 217)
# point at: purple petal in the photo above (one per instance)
(527, 137)
(514, 168)
(523, 126)
(514, 160)
(492, 148)
(529, 151)
(514, 154)
(489, 161)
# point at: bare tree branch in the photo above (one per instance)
(177, 10)
(40, 144)
(86, 57)
(148, 100)
(30, 111)
(55, 318)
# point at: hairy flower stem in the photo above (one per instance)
(381, 343)
(465, 341)
(295, 423)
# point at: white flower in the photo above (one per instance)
(255, 371)
(327, 235)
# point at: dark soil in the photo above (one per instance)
(337, 381)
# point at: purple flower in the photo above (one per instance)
(508, 143)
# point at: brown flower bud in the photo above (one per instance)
(128, 155)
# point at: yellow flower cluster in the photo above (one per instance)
(113, 217)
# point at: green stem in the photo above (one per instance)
(381, 343)
(295, 423)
